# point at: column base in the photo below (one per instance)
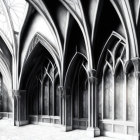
(93, 132)
(17, 123)
(21, 123)
(66, 128)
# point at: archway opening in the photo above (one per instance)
(41, 83)
(5, 100)
(77, 93)
(80, 99)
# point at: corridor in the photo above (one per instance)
(40, 132)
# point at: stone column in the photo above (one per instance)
(66, 110)
(53, 92)
(41, 99)
(60, 90)
(20, 107)
(93, 129)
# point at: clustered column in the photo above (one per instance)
(93, 129)
(20, 110)
(66, 112)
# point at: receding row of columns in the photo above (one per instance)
(20, 107)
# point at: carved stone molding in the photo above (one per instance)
(137, 74)
(18, 93)
(64, 91)
(61, 91)
(61, 88)
(34, 42)
(136, 63)
(126, 66)
(92, 75)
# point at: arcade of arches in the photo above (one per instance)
(73, 63)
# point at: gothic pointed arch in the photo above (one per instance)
(76, 97)
(38, 79)
(38, 39)
(74, 44)
(48, 18)
(75, 8)
(112, 87)
(6, 100)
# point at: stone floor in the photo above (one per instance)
(41, 132)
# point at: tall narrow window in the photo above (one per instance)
(34, 97)
(46, 97)
(51, 99)
(57, 97)
(108, 92)
(75, 98)
(131, 94)
(34, 102)
(83, 94)
(51, 96)
(80, 99)
(119, 85)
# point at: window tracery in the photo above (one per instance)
(116, 88)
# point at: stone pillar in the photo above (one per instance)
(20, 107)
(60, 90)
(41, 99)
(93, 129)
(66, 110)
(136, 63)
(53, 92)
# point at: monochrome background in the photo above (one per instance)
(73, 64)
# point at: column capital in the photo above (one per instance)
(61, 91)
(92, 75)
(136, 63)
(18, 93)
(61, 88)
(64, 91)
(137, 74)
